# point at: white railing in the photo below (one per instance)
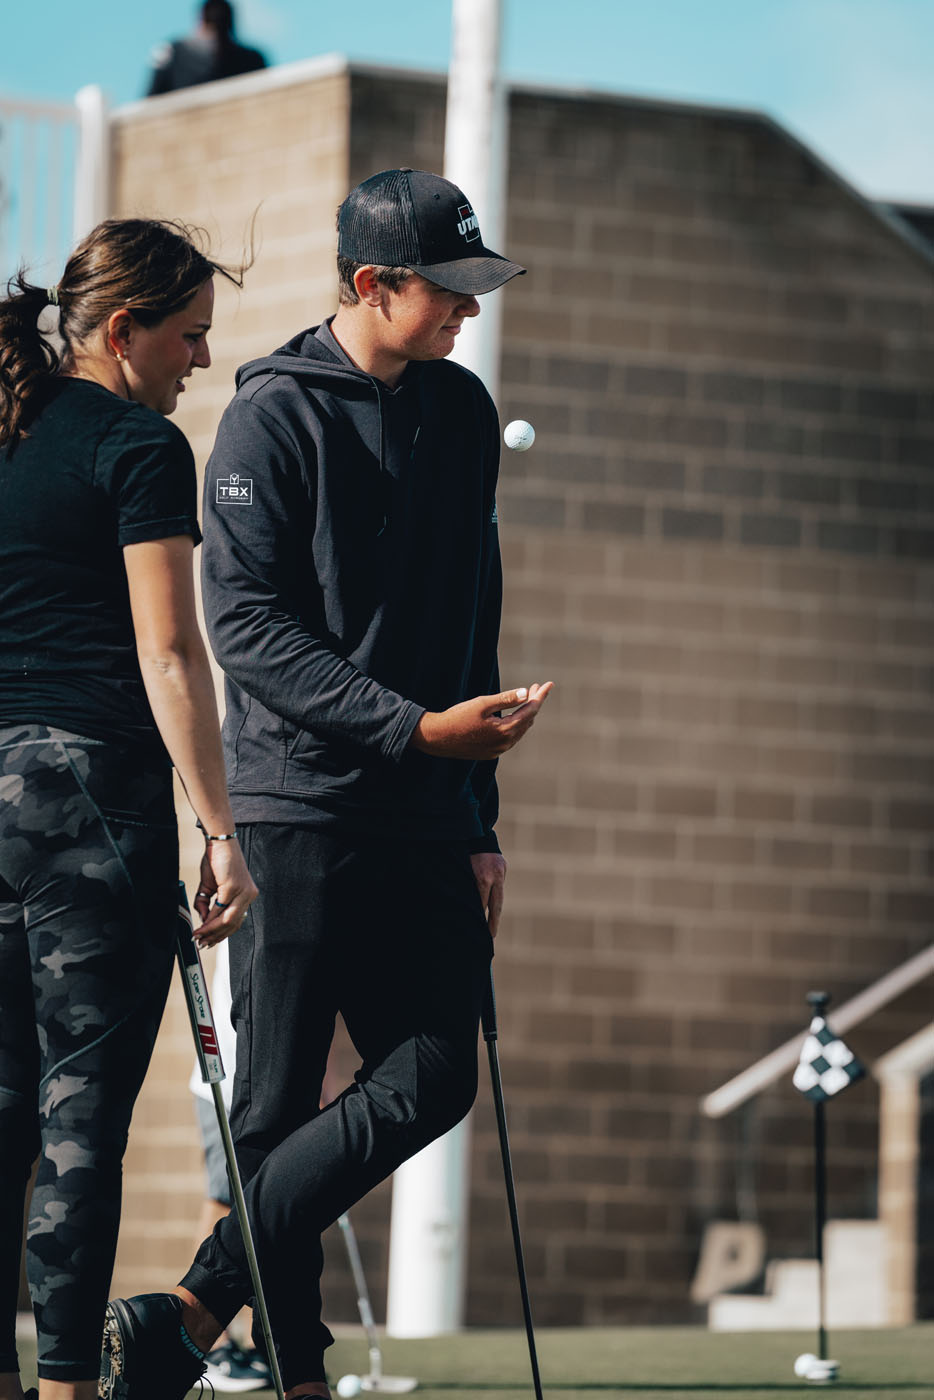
(54, 160)
(772, 1066)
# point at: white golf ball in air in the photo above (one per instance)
(519, 435)
(349, 1386)
(804, 1362)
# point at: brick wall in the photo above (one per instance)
(720, 549)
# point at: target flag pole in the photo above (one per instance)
(211, 1065)
(826, 1067)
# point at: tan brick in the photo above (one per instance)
(681, 893)
(606, 793)
(841, 811)
(606, 983)
(600, 888)
(840, 902)
(655, 939)
(763, 805)
(682, 800)
(723, 849)
(561, 838)
(757, 714)
(877, 859)
(759, 897)
(804, 949)
(640, 1030)
(801, 854)
(645, 844)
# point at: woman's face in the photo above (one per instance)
(157, 361)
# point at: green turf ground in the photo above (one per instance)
(671, 1362)
(677, 1363)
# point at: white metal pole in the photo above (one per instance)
(427, 1254)
(428, 1236)
(92, 172)
(475, 160)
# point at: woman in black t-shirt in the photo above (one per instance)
(104, 685)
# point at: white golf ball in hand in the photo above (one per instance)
(349, 1386)
(519, 435)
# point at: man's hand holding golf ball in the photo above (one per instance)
(481, 728)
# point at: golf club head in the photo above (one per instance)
(389, 1385)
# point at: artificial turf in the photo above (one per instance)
(676, 1363)
(659, 1361)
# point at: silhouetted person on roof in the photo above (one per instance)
(210, 52)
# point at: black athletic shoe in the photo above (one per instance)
(31, 1394)
(147, 1354)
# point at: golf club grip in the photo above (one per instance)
(203, 1026)
(488, 1010)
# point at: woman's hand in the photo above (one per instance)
(223, 874)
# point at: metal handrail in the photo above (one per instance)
(764, 1072)
(54, 163)
(36, 107)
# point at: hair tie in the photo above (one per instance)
(52, 296)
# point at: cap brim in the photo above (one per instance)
(470, 276)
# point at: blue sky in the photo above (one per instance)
(853, 78)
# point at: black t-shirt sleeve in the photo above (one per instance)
(146, 467)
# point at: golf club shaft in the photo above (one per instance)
(364, 1307)
(488, 1019)
(212, 1072)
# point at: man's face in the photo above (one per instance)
(423, 320)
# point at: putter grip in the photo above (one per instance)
(196, 996)
(488, 1011)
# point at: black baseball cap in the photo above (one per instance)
(411, 218)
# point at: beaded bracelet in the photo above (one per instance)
(222, 836)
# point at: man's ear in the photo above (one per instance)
(369, 289)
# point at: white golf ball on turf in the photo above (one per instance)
(349, 1386)
(519, 435)
(804, 1363)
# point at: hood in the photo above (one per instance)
(308, 358)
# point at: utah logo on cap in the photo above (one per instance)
(468, 226)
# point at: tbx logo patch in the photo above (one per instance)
(235, 490)
(468, 226)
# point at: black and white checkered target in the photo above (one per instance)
(826, 1065)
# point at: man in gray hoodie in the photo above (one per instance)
(352, 592)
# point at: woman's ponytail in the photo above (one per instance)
(149, 267)
(27, 359)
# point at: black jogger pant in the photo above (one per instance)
(392, 935)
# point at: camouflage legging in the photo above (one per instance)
(88, 883)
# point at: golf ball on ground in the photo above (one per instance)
(804, 1362)
(348, 1386)
(519, 435)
